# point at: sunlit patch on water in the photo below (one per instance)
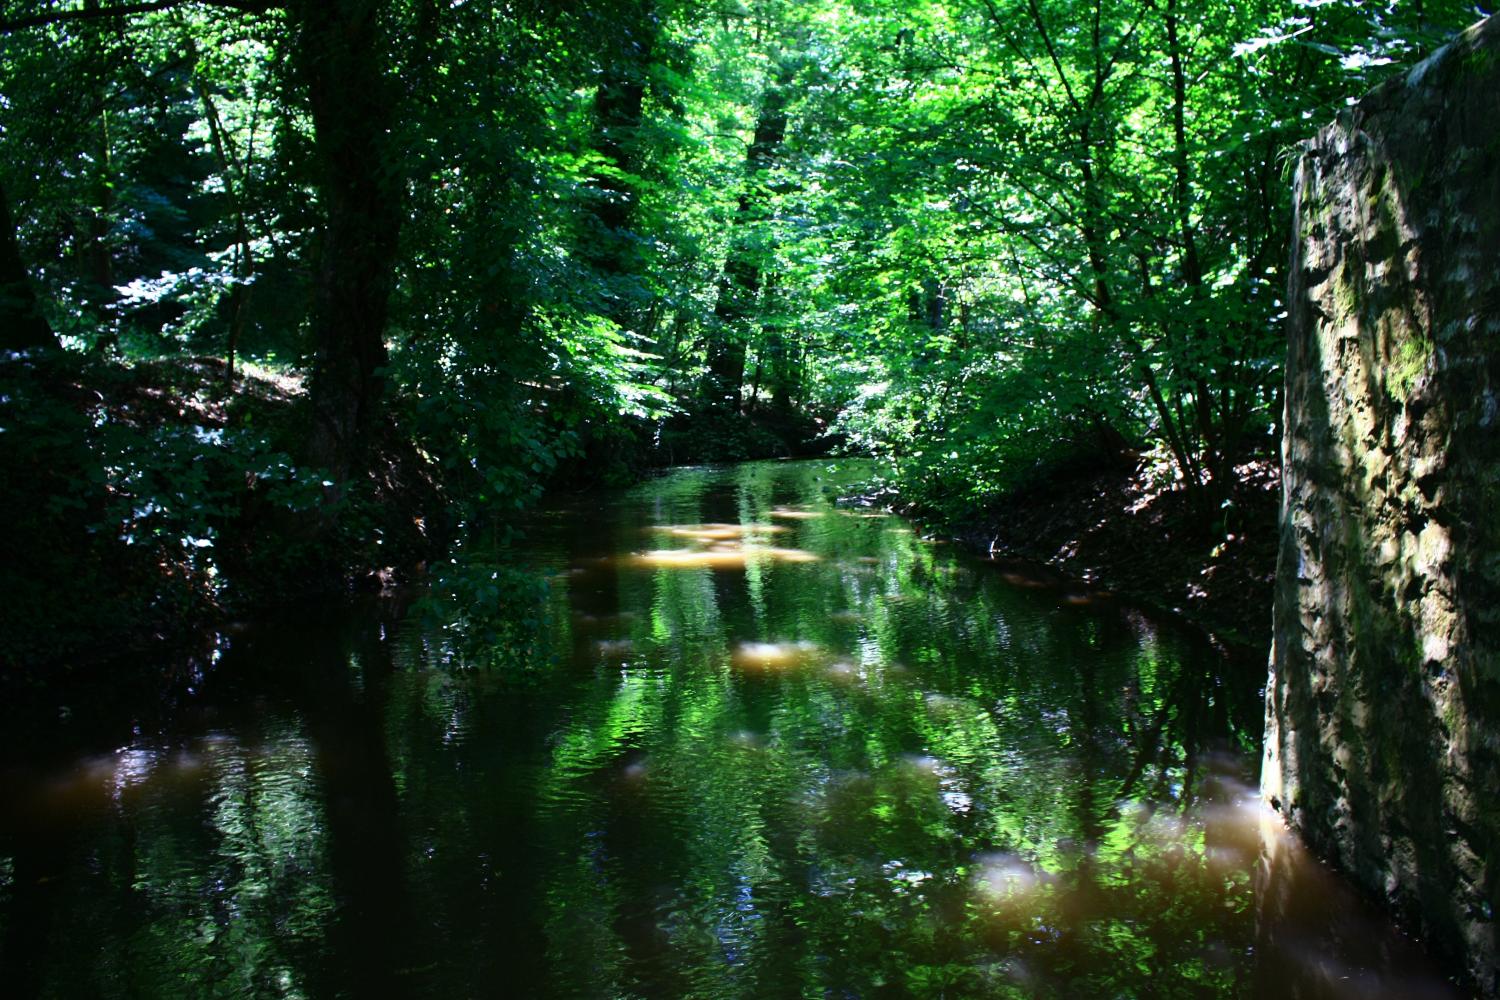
(949, 786)
(927, 764)
(619, 619)
(844, 671)
(719, 532)
(1007, 882)
(747, 739)
(1026, 581)
(134, 766)
(903, 879)
(793, 514)
(958, 802)
(773, 655)
(721, 556)
(1236, 831)
(942, 705)
(102, 781)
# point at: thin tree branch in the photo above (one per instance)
(128, 10)
(1041, 27)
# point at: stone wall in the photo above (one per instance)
(1383, 707)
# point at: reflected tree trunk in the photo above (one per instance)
(375, 926)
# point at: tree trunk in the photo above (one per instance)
(1214, 458)
(738, 286)
(22, 326)
(619, 102)
(352, 101)
(236, 184)
(740, 282)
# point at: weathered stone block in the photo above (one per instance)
(1383, 707)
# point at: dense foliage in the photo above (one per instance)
(360, 273)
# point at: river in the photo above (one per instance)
(756, 741)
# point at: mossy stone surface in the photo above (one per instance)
(1383, 706)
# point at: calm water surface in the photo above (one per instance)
(769, 745)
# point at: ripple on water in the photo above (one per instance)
(844, 672)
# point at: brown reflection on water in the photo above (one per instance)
(1315, 940)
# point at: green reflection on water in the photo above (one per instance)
(212, 856)
(881, 769)
(770, 746)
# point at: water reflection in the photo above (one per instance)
(872, 768)
(212, 855)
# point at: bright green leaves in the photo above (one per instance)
(977, 236)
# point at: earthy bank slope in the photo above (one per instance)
(145, 503)
(1123, 529)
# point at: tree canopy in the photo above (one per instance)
(532, 243)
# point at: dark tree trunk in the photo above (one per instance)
(738, 287)
(740, 283)
(22, 326)
(618, 107)
(779, 354)
(236, 187)
(352, 101)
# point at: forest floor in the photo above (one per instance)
(1126, 531)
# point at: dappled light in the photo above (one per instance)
(720, 532)
(1005, 883)
(790, 514)
(721, 546)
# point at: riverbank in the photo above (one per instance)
(151, 503)
(1126, 530)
